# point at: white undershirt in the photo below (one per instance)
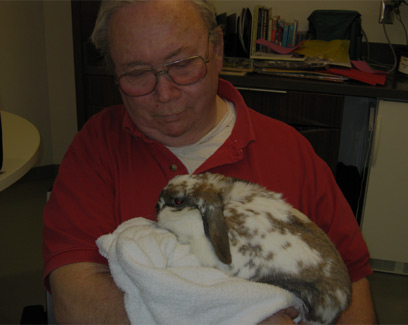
(193, 155)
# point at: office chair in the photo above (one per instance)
(37, 314)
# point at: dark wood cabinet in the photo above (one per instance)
(317, 116)
(101, 92)
(95, 87)
(297, 108)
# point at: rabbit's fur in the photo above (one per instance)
(249, 232)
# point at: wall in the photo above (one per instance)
(61, 77)
(23, 67)
(301, 9)
(36, 71)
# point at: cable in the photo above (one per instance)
(372, 62)
(367, 59)
(398, 15)
(392, 49)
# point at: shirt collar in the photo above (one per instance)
(243, 131)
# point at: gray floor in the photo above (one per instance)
(21, 208)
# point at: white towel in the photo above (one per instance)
(163, 282)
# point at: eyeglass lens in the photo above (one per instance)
(183, 72)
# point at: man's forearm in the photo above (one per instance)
(361, 309)
(86, 293)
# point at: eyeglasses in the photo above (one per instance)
(181, 72)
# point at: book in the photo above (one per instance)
(244, 30)
(255, 18)
(270, 22)
(291, 32)
(316, 75)
(275, 56)
(279, 31)
(285, 35)
(274, 28)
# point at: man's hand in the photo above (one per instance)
(285, 316)
(86, 293)
(360, 311)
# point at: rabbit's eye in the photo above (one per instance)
(178, 202)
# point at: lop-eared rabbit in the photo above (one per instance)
(247, 231)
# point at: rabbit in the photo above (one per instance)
(247, 231)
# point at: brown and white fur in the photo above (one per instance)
(249, 232)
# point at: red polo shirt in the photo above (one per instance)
(112, 172)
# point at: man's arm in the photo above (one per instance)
(86, 293)
(285, 316)
(361, 309)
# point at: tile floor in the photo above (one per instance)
(21, 208)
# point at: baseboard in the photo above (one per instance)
(389, 266)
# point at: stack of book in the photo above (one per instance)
(272, 28)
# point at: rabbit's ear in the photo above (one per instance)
(216, 230)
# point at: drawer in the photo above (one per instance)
(326, 144)
(298, 108)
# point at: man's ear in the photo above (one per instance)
(219, 48)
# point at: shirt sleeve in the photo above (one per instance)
(81, 205)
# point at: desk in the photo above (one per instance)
(394, 88)
(21, 142)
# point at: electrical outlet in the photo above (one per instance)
(386, 12)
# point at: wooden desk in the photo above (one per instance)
(21, 142)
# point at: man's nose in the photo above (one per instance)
(166, 90)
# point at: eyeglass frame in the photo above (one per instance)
(165, 71)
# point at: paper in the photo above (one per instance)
(277, 48)
(363, 66)
(369, 78)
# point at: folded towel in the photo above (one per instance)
(163, 282)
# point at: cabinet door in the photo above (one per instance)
(101, 92)
(1, 147)
(385, 216)
(317, 116)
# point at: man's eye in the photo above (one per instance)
(138, 73)
(183, 64)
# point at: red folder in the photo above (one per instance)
(369, 78)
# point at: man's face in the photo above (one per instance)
(153, 33)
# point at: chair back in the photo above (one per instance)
(328, 25)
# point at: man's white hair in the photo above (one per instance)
(100, 33)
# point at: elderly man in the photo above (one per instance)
(178, 117)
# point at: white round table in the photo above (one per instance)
(21, 142)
